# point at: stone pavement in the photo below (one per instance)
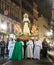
(3, 60)
(29, 62)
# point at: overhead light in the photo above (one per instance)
(49, 33)
(51, 30)
(12, 36)
(3, 26)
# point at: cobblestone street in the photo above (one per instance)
(29, 62)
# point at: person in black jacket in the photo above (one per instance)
(44, 46)
(7, 47)
(24, 49)
(2, 48)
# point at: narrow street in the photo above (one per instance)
(29, 62)
(2, 61)
(26, 32)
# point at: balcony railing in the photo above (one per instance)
(13, 10)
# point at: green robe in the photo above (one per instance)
(17, 52)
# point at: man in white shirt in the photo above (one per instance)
(11, 47)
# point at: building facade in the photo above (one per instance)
(14, 12)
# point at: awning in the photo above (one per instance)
(3, 32)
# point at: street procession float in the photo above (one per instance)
(28, 31)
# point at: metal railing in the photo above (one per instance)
(13, 10)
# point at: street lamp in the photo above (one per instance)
(3, 26)
(50, 33)
(12, 36)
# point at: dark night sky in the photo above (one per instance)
(44, 7)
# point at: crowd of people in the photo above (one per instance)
(30, 49)
(21, 49)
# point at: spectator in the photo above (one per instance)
(2, 48)
(44, 46)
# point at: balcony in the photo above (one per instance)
(13, 10)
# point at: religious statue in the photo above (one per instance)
(26, 22)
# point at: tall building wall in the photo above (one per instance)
(43, 26)
(17, 9)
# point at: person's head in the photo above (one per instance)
(11, 39)
(44, 39)
(30, 39)
(18, 39)
(37, 38)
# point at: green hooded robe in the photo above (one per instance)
(17, 52)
